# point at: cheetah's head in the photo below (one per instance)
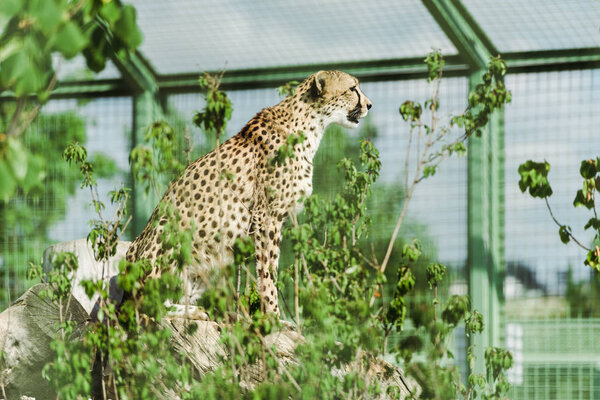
(339, 98)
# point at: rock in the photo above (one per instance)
(27, 328)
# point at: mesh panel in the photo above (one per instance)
(552, 117)
(59, 210)
(522, 25)
(76, 69)
(190, 36)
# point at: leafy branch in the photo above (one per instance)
(534, 178)
(488, 96)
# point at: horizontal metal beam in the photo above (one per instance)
(553, 60)
(91, 88)
(366, 71)
(377, 70)
(83, 89)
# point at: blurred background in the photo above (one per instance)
(502, 246)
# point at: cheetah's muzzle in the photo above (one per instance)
(355, 114)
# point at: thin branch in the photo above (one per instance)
(410, 138)
(17, 127)
(296, 295)
(560, 225)
(14, 122)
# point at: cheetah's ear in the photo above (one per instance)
(319, 82)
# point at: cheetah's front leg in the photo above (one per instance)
(267, 239)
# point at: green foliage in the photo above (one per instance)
(155, 165)
(435, 65)
(288, 89)
(411, 110)
(31, 33)
(488, 96)
(217, 110)
(534, 176)
(435, 273)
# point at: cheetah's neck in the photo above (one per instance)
(306, 118)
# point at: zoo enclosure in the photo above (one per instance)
(502, 246)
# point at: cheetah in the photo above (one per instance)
(261, 195)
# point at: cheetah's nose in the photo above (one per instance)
(369, 105)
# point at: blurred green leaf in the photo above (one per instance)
(48, 14)
(110, 12)
(8, 184)
(33, 182)
(126, 28)
(588, 168)
(16, 159)
(70, 40)
(582, 200)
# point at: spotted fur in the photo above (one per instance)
(261, 195)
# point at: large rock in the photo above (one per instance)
(26, 329)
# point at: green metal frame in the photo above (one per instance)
(147, 108)
(485, 174)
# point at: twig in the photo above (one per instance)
(421, 163)
(560, 225)
(18, 127)
(296, 294)
(410, 138)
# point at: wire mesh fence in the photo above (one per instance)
(59, 210)
(550, 323)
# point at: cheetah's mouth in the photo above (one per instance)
(354, 115)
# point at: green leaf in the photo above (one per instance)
(593, 259)
(583, 200)
(565, 233)
(16, 159)
(593, 223)
(12, 69)
(8, 9)
(7, 182)
(111, 12)
(429, 170)
(411, 110)
(534, 176)
(48, 14)
(126, 28)
(33, 182)
(588, 169)
(435, 273)
(70, 40)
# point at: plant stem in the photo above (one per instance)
(296, 294)
(560, 225)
